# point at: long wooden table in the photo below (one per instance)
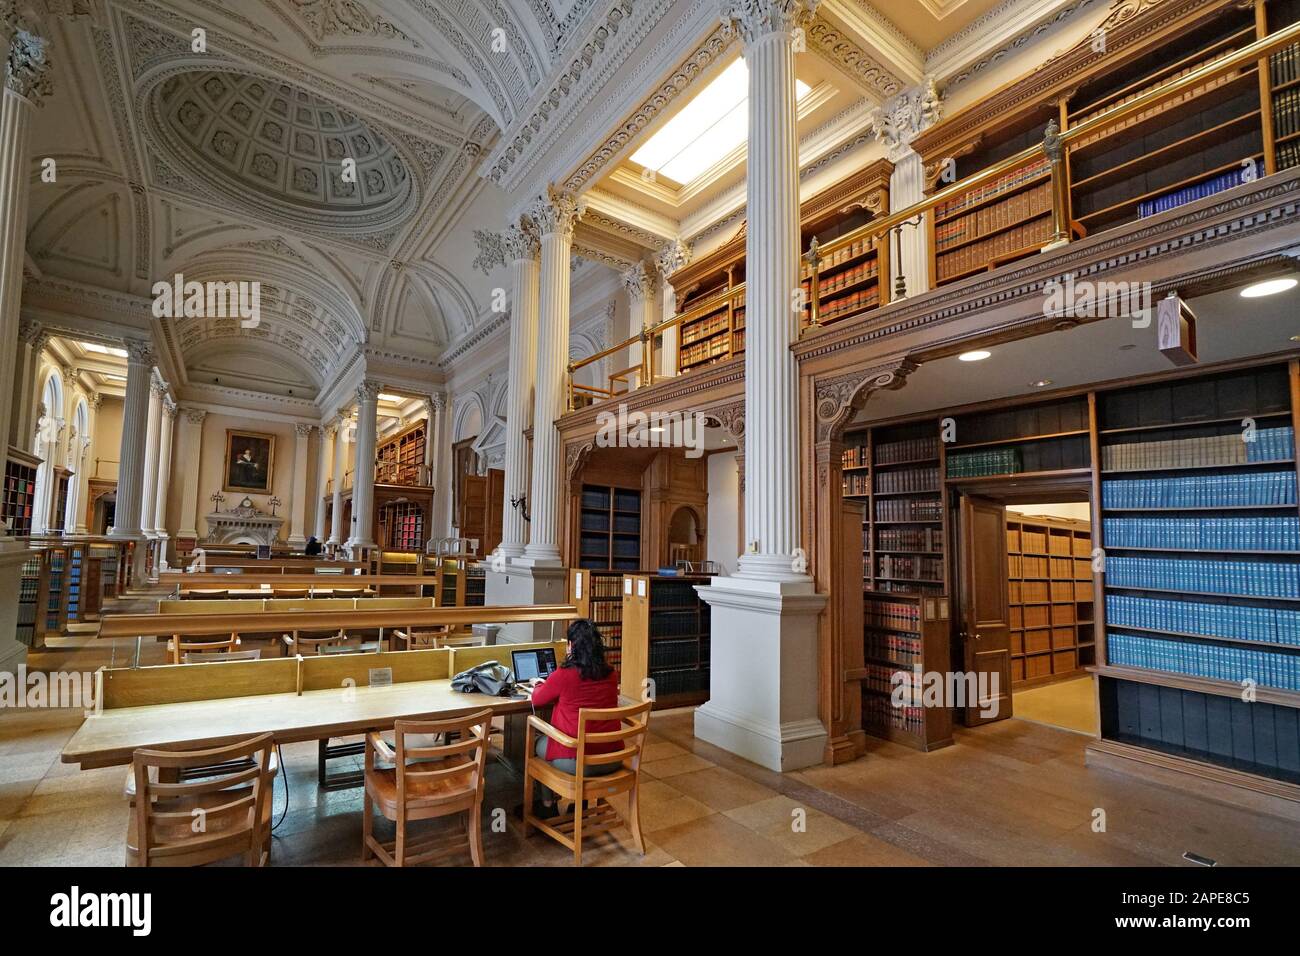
(110, 738)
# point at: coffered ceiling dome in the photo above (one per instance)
(281, 149)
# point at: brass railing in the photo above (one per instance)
(390, 473)
(1053, 147)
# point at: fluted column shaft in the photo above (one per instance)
(339, 533)
(166, 427)
(554, 216)
(190, 452)
(298, 508)
(153, 429)
(906, 187)
(327, 433)
(523, 248)
(135, 419)
(772, 284)
(435, 408)
(88, 450)
(363, 482)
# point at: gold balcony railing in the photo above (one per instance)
(1054, 147)
(390, 473)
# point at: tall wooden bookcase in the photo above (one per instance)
(1049, 598)
(598, 596)
(666, 639)
(905, 638)
(610, 528)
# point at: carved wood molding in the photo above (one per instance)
(838, 397)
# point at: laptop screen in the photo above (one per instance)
(533, 663)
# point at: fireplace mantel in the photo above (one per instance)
(243, 525)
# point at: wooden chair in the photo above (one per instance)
(178, 647)
(217, 657)
(569, 829)
(181, 820)
(206, 595)
(311, 643)
(425, 782)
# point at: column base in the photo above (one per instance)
(160, 556)
(519, 584)
(764, 673)
(13, 652)
(296, 541)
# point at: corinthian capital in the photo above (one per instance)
(195, 416)
(639, 282)
(27, 69)
(140, 352)
(672, 257)
(368, 391)
(756, 19)
(519, 242)
(556, 212)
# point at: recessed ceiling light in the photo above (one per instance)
(978, 355)
(1295, 338)
(1041, 383)
(1268, 287)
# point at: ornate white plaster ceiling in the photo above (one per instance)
(284, 145)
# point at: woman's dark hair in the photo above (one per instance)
(587, 651)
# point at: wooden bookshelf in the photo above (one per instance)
(904, 635)
(401, 526)
(1049, 598)
(665, 639)
(610, 528)
(1280, 79)
(598, 596)
(400, 458)
(19, 492)
(1049, 437)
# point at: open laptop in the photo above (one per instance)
(533, 664)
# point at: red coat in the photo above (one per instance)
(566, 689)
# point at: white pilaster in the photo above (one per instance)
(434, 458)
(166, 428)
(554, 216)
(190, 452)
(338, 533)
(363, 480)
(328, 433)
(522, 250)
(32, 339)
(298, 506)
(153, 432)
(671, 258)
(763, 685)
(94, 402)
(640, 284)
(130, 474)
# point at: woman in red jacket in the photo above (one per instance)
(583, 680)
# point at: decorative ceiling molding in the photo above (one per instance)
(348, 18)
(838, 47)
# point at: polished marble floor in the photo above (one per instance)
(1013, 792)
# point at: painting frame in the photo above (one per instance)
(257, 440)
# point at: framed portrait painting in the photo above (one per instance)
(250, 457)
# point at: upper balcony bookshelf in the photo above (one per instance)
(399, 459)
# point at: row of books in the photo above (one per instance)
(857, 483)
(670, 593)
(831, 309)
(685, 681)
(855, 457)
(1274, 625)
(1180, 197)
(879, 711)
(1201, 491)
(907, 479)
(1236, 448)
(605, 586)
(674, 653)
(904, 587)
(1284, 65)
(910, 539)
(994, 217)
(1213, 661)
(910, 449)
(704, 327)
(705, 351)
(909, 509)
(892, 615)
(1287, 154)
(829, 261)
(990, 461)
(880, 677)
(894, 648)
(1004, 184)
(678, 624)
(1286, 112)
(914, 568)
(1204, 534)
(1275, 579)
(851, 276)
(980, 255)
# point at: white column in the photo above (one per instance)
(363, 480)
(906, 187)
(328, 431)
(338, 533)
(522, 250)
(640, 284)
(149, 486)
(763, 693)
(130, 472)
(554, 216)
(298, 507)
(439, 459)
(166, 425)
(671, 258)
(190, 452)
(32, 339)
(93, 403)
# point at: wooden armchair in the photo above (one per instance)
(424, 782)
(312, 643)
(439, 636)
(179, 819)
(178, 646)
(570, 828)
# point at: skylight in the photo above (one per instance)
(707, 128)
(102, 349)
(395, 399)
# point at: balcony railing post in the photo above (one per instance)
(568, 399)
(647, 357)
(1054, 149)
(814, 287)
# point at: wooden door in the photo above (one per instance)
(985, 636)
(473, 507)
(494, 502)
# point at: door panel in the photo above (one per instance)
(986, 639)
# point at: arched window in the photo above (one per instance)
(46, 447)
(78, 444)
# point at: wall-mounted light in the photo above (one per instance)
(978, 355)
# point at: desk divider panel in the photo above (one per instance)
(179, 683)
(213, 606)
(330, 671)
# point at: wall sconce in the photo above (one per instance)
(520, 504)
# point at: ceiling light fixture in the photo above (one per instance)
(1268, 287)
(1041, 383)
(978, 355)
